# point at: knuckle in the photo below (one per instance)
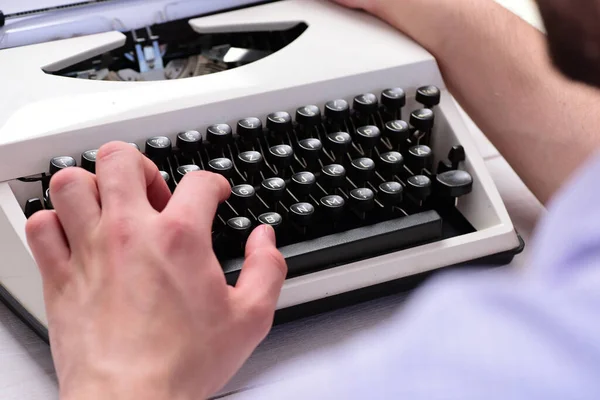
(274, 257)
(121, 230)
(113, 149)
(182, 233)
(260, 316)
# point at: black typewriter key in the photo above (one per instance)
(189, 142)
(368, 136)
(454, 183)
(273, 190)
(250, 162)
(332, 207)
(219, 134)
(32, 206)
(419, 157)
(271, 218)
(242, 197)
(338, 143)
(393, 100)
(60, 163)
(308, 116)
(158, 147)
(419, 186)
(390, 163)
(88, 160)
(365, 105)
(396, 131)
(249, 129)
(362, 200)
(281, 156)
(310, 149)
(390, 193)
(429, 96)
(422, 120)
(221, 166)
(239, 228)
(362, 169)
(301, 214)
(167, 178)
(337, 111)
(302, 183)
(184, 170)
(279, 123)
(47, 201)
(332, 176)
(456, 156)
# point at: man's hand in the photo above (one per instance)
(137, 303)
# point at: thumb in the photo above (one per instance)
(263, 272)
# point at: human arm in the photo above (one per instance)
(497, 67)
(137, 304)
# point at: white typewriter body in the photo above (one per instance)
(341, 54)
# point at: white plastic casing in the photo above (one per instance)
(342, 54)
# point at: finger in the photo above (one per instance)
(263, 272)
(158, 190)
(75, 198)
(197, 197)
(128, 181)
(49, 246)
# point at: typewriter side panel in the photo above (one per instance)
(20, 281)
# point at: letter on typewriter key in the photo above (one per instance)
(390, 193)
(279, 123)
(310, 149)
(419, 186)
(273, 189)
(270, 218)
(333, 207)
(429, 96)
(362, 199)
(219, 134)
(419, 157)
(333, 176)
(62, 162)
(249, 129)
(337, 111)
(362, 169)
(250, 162)
(88, 160)
(339, 143)
(221, 166)
(308, 116)
(365, 105)
(189, 142)
(368, 136)
(239, 228)
(455, 183)
(242, 196)
(396, 131)
(281, 156)
(391, 163)
(32, 206)
(158, 147)
(393, 100)
(422, 120)
(303, 183)
(302, 214)
(184, 170)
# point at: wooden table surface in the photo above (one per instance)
(27, 373)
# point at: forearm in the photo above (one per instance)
(497, 67)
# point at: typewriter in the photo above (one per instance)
(329, 125)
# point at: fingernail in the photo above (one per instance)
(269, 233)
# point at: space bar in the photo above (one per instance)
(352, 245)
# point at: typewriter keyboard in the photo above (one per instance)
(339, 183)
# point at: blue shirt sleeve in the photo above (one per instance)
(498, 334)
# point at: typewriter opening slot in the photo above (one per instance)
(174, 50)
